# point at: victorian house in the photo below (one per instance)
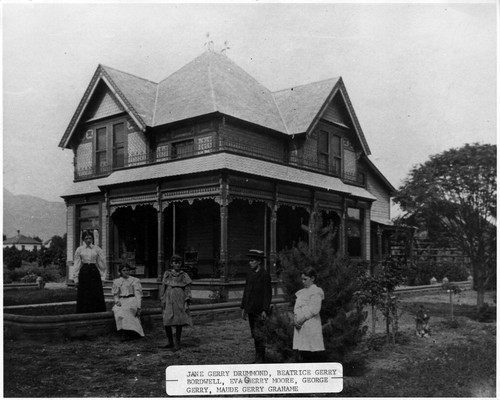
(209, 163)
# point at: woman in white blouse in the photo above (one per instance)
(127, 294)
(88, 274)
(308, 332)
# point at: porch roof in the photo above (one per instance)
(216, 162)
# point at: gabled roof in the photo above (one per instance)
(213, 83)
(21, 239)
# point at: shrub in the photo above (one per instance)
(29, 271)
(422, 272)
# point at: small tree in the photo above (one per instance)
(378, 289)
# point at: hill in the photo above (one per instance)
(32, 216)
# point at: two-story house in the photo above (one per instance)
(210, 163)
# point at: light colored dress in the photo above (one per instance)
(129, 293)
(307, 307)
(176, 290)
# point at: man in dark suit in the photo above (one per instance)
(257, 301)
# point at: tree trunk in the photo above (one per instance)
(479, 267)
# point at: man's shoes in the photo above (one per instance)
(167, 346)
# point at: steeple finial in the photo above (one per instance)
(226, 47)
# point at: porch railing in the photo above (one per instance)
(169, 152)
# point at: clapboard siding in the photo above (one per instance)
(381, 207)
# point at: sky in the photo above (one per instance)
(421, 76)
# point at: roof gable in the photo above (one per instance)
(104, 105)
(134, 95)
(303, 106)
(300, 105)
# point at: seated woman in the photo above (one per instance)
(127, 293)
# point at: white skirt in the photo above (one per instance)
(125, 316)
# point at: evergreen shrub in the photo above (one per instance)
(341, 317)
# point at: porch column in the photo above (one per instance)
(272, 242)
(109, 240)
(343, 230)
(379, 242)
(161, 245)
(366, 235)
(223, 232)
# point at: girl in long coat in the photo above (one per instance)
(175, 295)
(308, 332)
(127, 294)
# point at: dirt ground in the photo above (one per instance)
(106, 367)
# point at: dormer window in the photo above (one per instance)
(101, 153)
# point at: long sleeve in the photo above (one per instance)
(101, 262)
(77, 264)
(163, 286)
(137, 291)
(313, 308)
(268, 293)
(115, 290)
(187, 293)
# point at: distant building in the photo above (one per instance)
(22, 242)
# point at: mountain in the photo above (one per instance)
(32, 216)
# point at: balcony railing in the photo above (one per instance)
(168, 153)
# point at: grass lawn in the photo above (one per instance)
(455, 361)
(14, 297)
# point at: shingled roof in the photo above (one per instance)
(21, 239)
(213, 83)
(216, 162)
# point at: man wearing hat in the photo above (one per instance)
(256, 301)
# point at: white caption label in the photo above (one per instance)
(238, 379)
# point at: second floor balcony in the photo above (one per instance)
(170, 152)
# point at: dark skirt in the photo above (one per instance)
(90, 295)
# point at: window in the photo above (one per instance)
(88, 220)
(183, 149)
(118, 145)
(204, 144)
(336, 154)
(323, 149)
(329, 152)
(354, 232)
(101, 157)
